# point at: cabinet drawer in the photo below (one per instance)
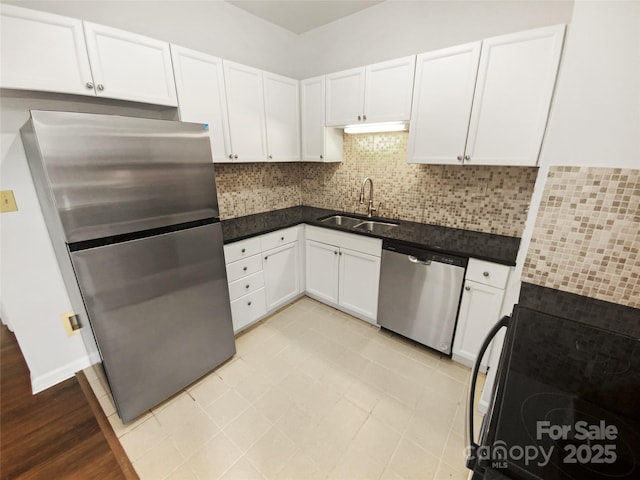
(487, 273)
(248, 309)
(246, 285)
(242, 249)
(280, 237)
(244, 267)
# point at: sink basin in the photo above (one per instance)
(373, 226)
(342, 221)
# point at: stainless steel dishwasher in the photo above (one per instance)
(420, 294)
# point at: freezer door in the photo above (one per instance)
(419, 300)
(111, 175)
(159, 308)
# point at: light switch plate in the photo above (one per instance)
(67, 322)
(7, 201)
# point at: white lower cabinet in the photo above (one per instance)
(281, 275)
(263, 274)
(322, 271)
(479, 310)
(343, 270)
(248, 309)
(358, 282)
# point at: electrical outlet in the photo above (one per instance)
(70, 323)
(8, 201)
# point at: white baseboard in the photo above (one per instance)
(42, 382)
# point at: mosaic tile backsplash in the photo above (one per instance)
(587, 234)
(247, 188)
(484, 199)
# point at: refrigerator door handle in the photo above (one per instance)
(472, 458)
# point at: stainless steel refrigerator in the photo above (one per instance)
(132, 211)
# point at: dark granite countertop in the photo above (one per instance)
(484, 246)
(590, 311)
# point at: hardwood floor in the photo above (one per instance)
(56, 433)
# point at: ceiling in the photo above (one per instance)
(299, 16)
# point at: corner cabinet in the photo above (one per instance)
(319, 143)
(480, 308)
(201, 96)
(505, 104)
(380, 92)
(343, 270)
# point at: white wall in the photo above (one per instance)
(595, 115)
(214, 27)
(32, 292)
(394, 29)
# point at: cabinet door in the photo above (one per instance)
(388, 90)
(282, 109)
(345, 97)
(45, 52)
(479, 311)
(322, 271)
(280, 266)
(128, 66)
(359, 281)
(201, 96)
(312, 119)
(515, 84)
(445, 80)
(245, 102)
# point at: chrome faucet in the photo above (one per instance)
(370, 209)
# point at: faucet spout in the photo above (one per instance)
(370, 208)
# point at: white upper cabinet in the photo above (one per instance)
(345, 97)
(444, 85)
(376, 93)
(515, 84)
(319, 143)
(495, 117)
(42, 51)
(388, 90)
(245, 101)
(282, 109)
(201, 96)
(129, 66)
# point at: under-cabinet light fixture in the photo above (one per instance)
(377, 127)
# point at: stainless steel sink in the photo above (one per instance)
(342, 221)
(373, 226)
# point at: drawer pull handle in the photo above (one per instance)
(244, 250)
(467, 288)
(281, 238)
(266, 257)
(486, 274)
(246, 286)
(335, 252)
(244, 269)
(249, 304)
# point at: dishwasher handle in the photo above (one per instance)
(413, 259)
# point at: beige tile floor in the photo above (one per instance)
(312, 393)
